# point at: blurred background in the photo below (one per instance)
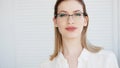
(27, 34)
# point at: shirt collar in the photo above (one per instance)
(83, 56)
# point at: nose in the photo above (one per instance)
(70, 20)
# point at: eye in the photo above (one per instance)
(62, 15)
(77, 14)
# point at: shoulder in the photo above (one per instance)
(104, 59)
(47, 64)
(108, 58)
(102, 53)
(107, 53)
(103, 56)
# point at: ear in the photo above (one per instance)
(55, 22)
(86, 20)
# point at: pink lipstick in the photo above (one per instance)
(70, 28)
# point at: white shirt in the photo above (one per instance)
(102, 59)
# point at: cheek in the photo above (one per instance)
(60, 24)
(61, 27)
(81, 22)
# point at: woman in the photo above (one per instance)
(71, 48)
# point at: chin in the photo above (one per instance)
(72, 36)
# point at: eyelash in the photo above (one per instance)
(63, 14)
(77, 14)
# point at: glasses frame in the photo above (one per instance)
(68, 15)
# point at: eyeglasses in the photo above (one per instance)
(65, 17)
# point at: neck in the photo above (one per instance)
(72, 47)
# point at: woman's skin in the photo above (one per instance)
(71, 39)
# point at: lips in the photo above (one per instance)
(70, 28)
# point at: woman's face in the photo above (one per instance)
(70, 19)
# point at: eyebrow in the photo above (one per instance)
(67, 12)
(77, 11)
(62, 11)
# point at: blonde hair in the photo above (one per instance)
(58, 38)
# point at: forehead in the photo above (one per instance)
(70, 6)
